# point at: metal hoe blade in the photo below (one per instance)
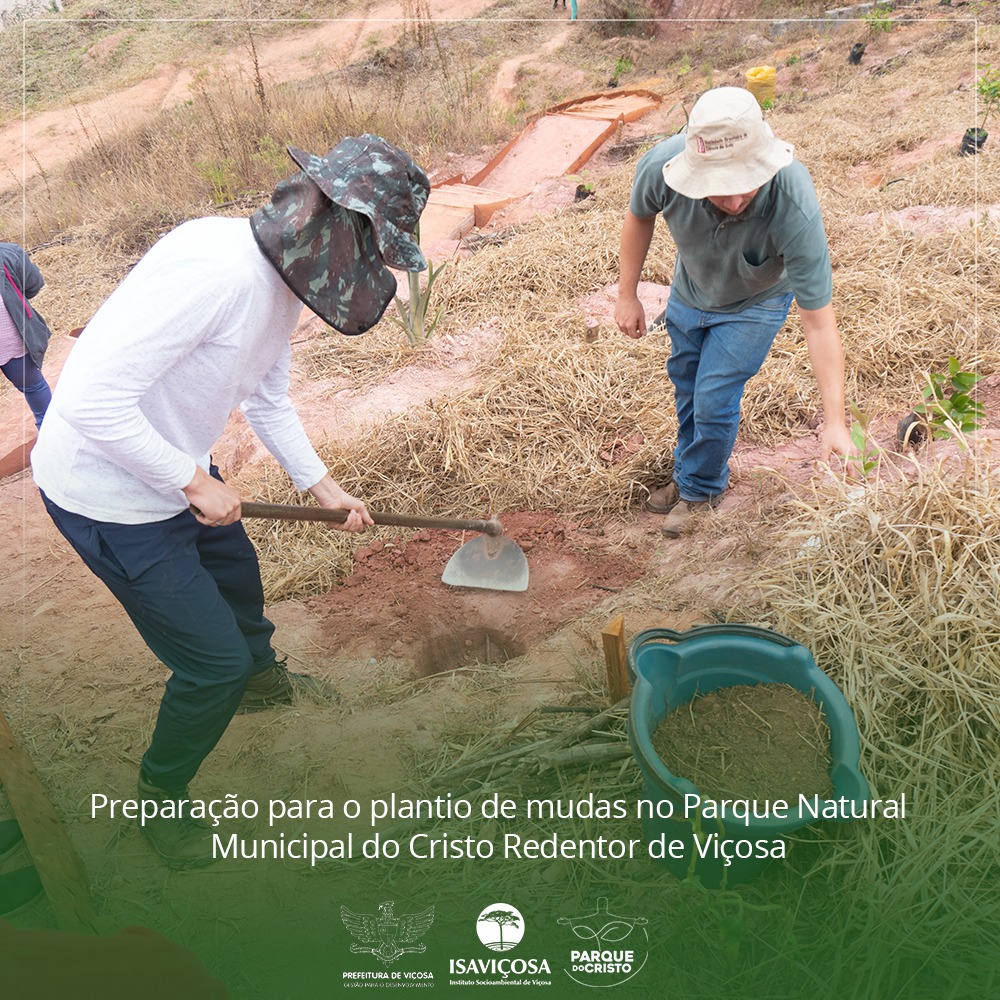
(490, 561)
(495, 563)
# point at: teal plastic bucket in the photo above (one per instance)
(668, 669)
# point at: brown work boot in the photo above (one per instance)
(182, 841)
(664, 499)
(684, 518)
(276, 685)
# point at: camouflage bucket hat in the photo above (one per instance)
(334, 229)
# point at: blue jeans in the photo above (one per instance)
(713, 354)
(25, 375)
(195, 596)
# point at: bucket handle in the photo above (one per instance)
(750, 631)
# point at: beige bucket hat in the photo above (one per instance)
(729, 148)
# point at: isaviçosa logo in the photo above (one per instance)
(610, 948)
(500, 926)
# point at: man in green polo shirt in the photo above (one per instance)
(744, 217)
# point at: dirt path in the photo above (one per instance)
(50, 138)
(503, 87)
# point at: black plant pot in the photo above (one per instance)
(912, 431)
(973, 141)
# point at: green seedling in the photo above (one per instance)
(585, 185)
(877, 19)
(867, 457)
(413, 314)
(622, 65)
(988, 90)
(948, 409)
(221, 178)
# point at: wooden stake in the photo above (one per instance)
(16, 460)
(58, 865)
(616, 659)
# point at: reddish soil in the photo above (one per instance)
(399, 605)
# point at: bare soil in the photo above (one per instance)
(759, 742)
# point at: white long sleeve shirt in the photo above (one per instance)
(199, 326)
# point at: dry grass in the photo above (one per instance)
(897, 595)
(896, 592)
(85, 51)
(226, 145)
(546, 403)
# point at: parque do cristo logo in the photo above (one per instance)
(611, 949)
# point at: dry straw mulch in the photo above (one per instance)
(897, 594)
(545, 403)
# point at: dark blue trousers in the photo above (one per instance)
(25, 375)
(194, 593)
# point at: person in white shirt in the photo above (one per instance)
(201, 325)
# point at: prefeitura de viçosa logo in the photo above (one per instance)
(387, 936)
(611, 949)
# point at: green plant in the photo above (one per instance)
(868, 453)
(221, 178)
(413, 314)
(585, 186)
(622, 65)
(877, 19)
(767, 104)
(988, 90)
(270, 156)
(948, 409)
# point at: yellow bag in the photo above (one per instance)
(762, 83)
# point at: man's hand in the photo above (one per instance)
(329, 494)
(827, 357)
(213, 502)
(835, 439)
(630, 317)
(637, 233)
